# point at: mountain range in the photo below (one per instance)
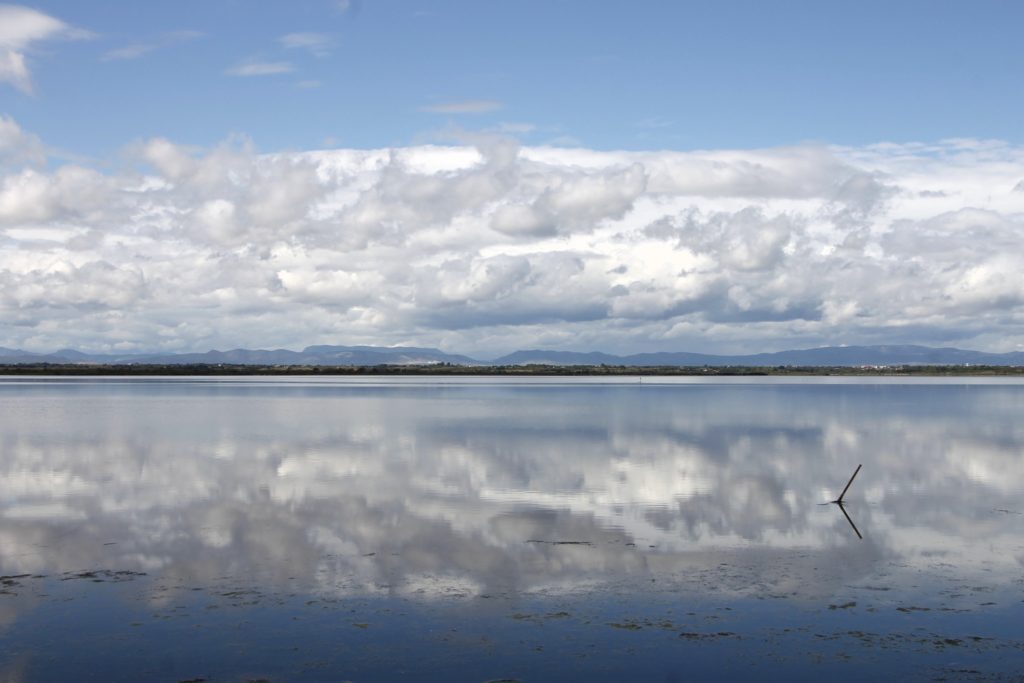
(408, 355)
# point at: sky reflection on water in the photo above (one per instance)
(507, 507)
(490, 487)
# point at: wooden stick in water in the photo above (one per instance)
(840, 498)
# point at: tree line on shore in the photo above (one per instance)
(452, 369)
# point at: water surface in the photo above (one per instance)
(479, 528)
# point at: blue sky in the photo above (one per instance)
(487, 176)
(642, 75)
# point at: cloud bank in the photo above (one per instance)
(487, 248)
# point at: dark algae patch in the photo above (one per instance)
(101, 575)
(689, 635)
(626, 625)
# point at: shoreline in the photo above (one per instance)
(443, 370)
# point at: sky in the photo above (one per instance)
(482, 176)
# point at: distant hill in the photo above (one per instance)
(311, 355)
(538, 357)
(848, 356)
(825, 356)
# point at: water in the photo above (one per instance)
(481, 529)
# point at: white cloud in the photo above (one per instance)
(169, 159)
(136, 50)
(573, 202)
(17, 146)
(515, 128)
(463, 107)
(69, 193)
(491, 247)
(260, 69)
(318, 44)
(20, 28)
(133, 51)
(63, 285)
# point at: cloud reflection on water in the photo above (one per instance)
(498, 489)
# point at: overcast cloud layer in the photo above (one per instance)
(488, 247)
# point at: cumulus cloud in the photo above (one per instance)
(486, 247)
(573, 202)
(92, 285)
(20, 28)
(69, 193)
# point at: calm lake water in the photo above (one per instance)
(289, 529)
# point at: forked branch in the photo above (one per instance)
(847, 488)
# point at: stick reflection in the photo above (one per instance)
(842, 508)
